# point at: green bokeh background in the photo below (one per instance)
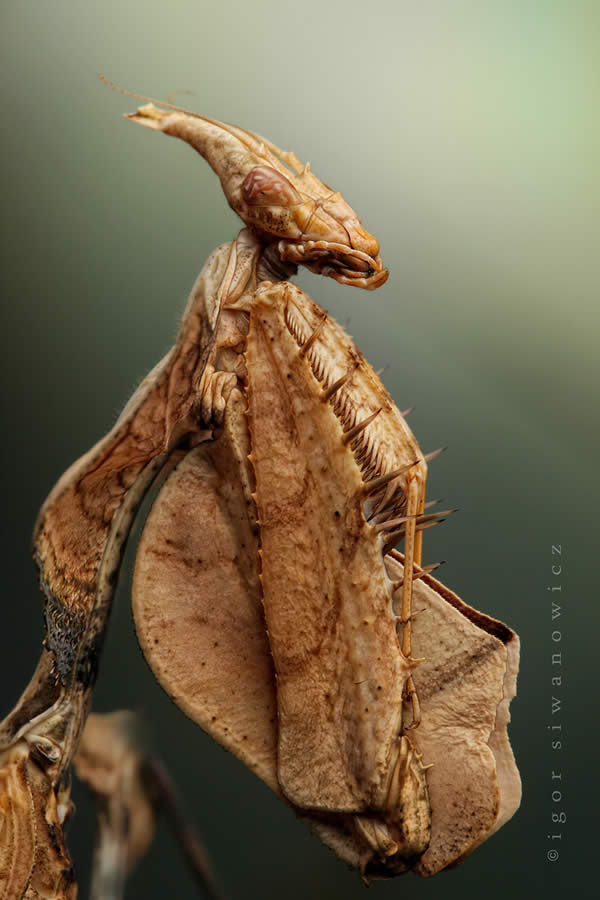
(466, 136)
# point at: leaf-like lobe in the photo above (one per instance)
(327, 599)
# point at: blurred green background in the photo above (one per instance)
(466, 136)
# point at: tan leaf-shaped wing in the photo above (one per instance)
(221, 677)
(198, 614)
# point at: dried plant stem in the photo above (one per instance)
(131, 790)
(161, 787)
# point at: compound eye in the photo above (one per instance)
(264, 186)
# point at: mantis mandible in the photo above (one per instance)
(290, 477)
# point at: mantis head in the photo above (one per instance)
(278, 197)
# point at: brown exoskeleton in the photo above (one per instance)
(267, 561)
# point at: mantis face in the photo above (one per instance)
(279, 199)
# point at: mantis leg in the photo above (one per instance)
(413, 546)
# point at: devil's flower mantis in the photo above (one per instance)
(268, 596)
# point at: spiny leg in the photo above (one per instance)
(415, 525)
(413, 547)
(419, 534)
